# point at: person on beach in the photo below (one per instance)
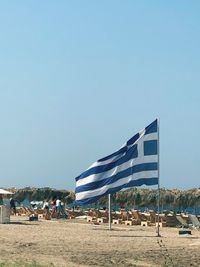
(13, 206)
(53, 203)
(46, 210)
(58, 207)
(45, 204)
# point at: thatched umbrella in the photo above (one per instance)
(5, 192)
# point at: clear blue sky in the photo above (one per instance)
(79, 78)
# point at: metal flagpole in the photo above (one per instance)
(109, 211)
(158, 201)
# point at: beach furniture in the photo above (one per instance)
(118, 221)
(145, 223)
(171, 220)
(124, 215)
(102, 220)
(91, 219)
(182, 222)
(152, 216)
(129, 222)
(104, 214)
(161, 224)
(136, 216)
(185, 217)
(23, 211)
(194, 220)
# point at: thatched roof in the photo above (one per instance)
(5, 192)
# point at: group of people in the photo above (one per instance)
(57, 208)
(53, 208)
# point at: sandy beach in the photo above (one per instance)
(78, 243)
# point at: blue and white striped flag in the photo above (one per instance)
(134, 164)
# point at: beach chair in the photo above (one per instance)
(181, 222)
(162, 217)
(136, 217)
(152, 216)
(124, 215)
(194, 220)
(171, 220)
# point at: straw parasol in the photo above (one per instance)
(5, 192)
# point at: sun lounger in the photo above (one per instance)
(194, 220)
(136, 217)
(171, 220)
(124, 215)
(181, 222)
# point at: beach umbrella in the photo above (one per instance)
(5, 192)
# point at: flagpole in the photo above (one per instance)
(158, 201)
(109, 212)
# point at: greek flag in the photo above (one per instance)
(134, 164)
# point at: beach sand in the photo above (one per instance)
(77, 243)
